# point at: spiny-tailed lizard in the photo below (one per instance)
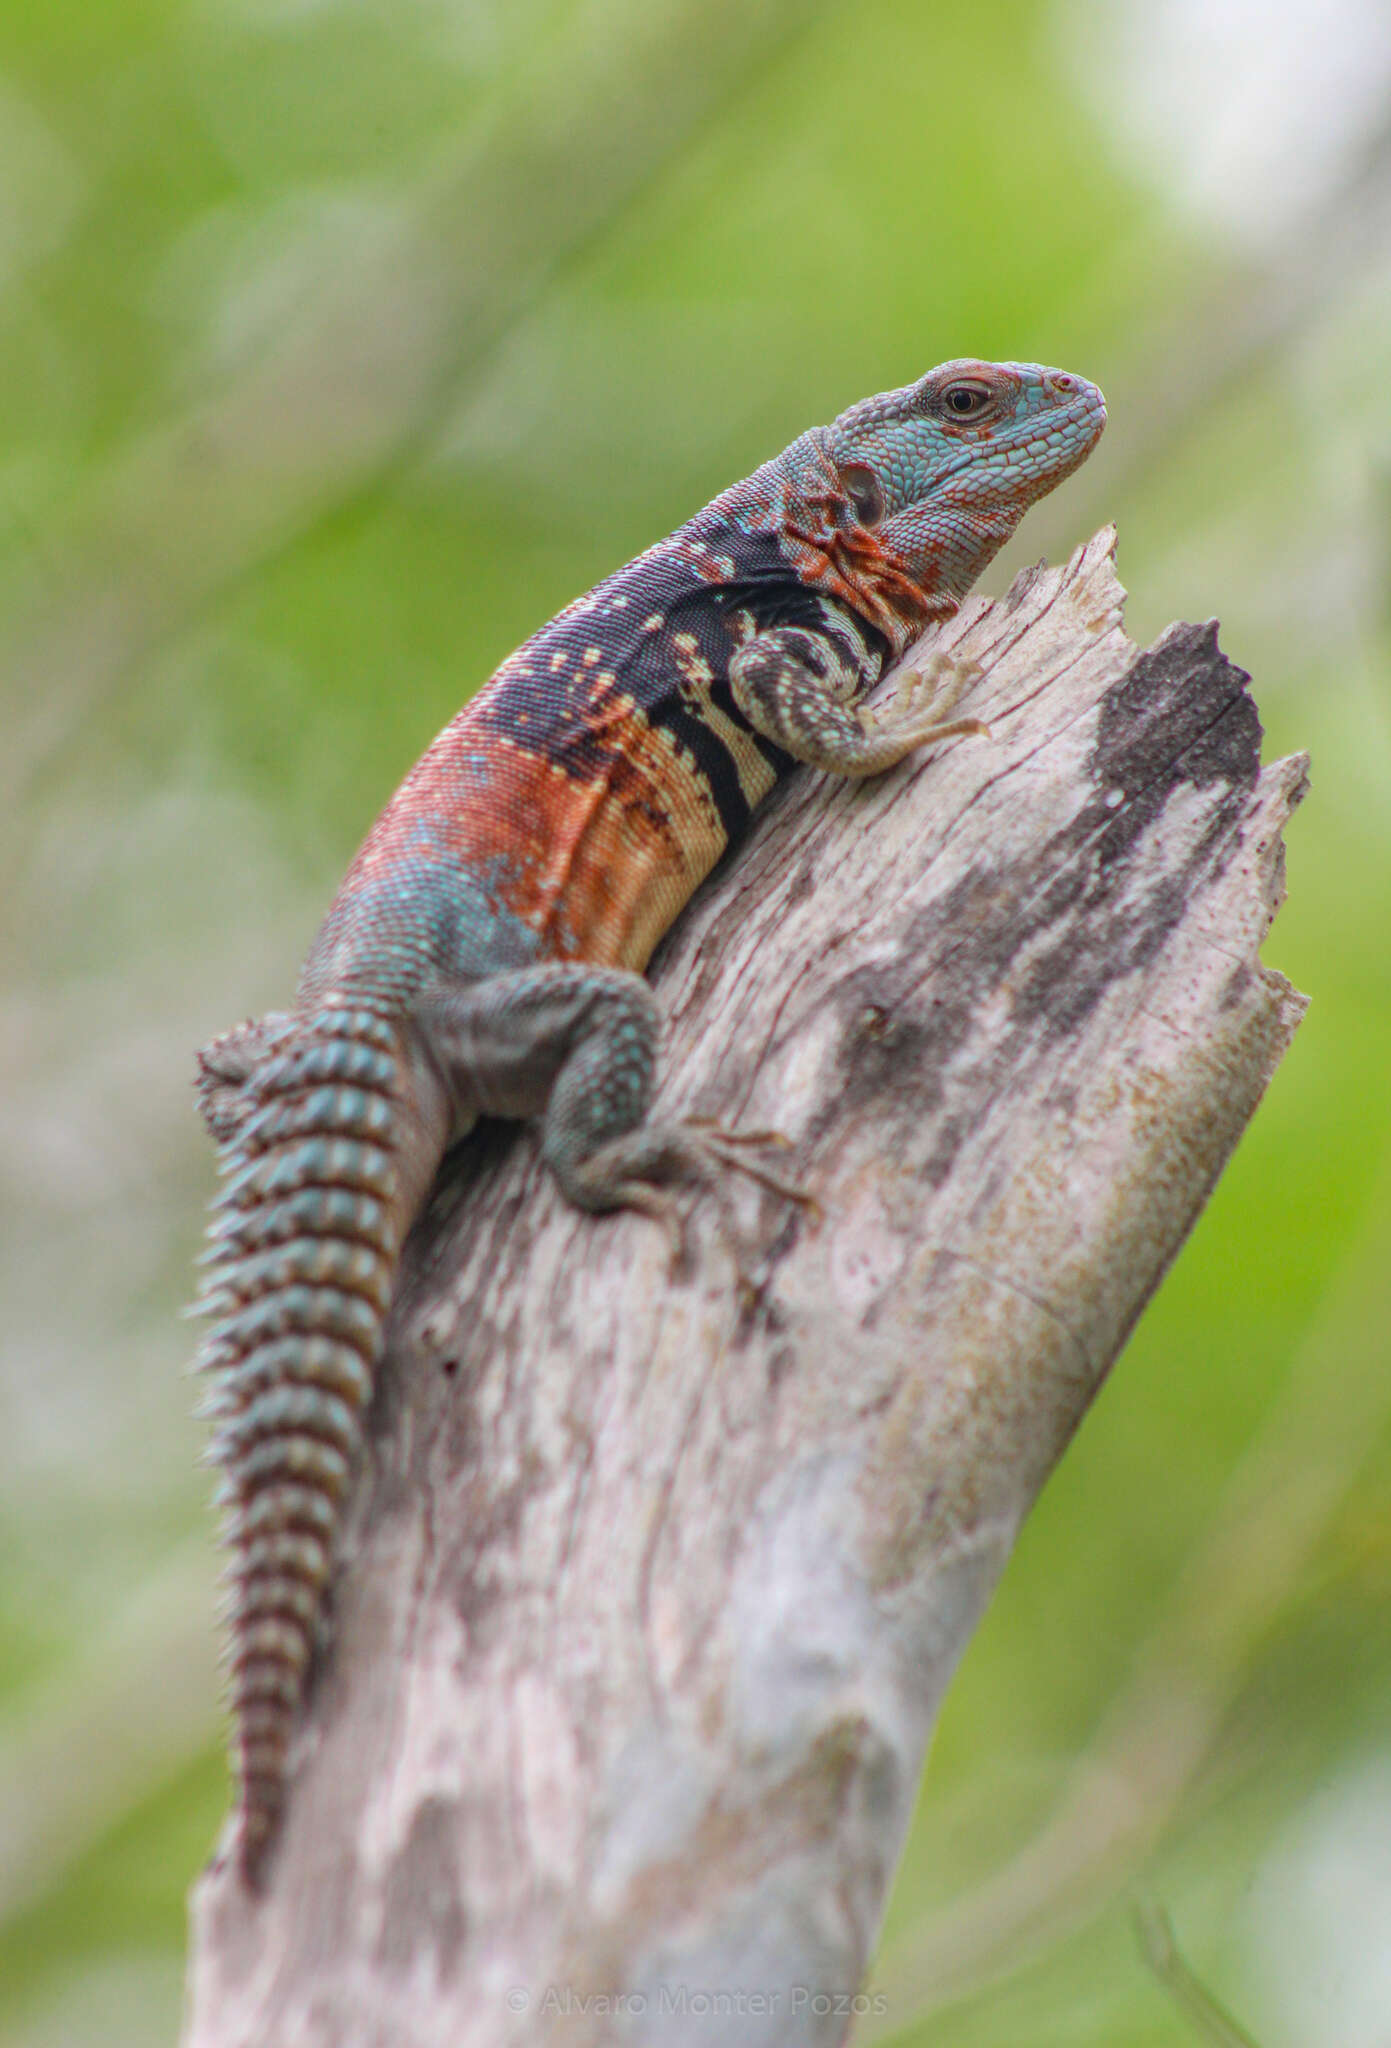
(484, 954)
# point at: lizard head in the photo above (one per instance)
(942, 471)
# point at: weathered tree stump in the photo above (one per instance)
(655, 1577)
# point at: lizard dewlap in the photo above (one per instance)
(484, 953)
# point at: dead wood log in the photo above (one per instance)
(655, 1578)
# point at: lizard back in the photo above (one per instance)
(574, 805)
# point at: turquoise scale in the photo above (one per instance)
(346, 1112)
(311, 1361)
(284, 1411)
(312, 1211)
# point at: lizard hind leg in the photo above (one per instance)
(576, 1045)
(297, 1283)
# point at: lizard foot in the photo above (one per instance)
(728, 1148)
(671, 1216)
(642, 1169)
(936, 684)
(914, 714)
(225, 1065)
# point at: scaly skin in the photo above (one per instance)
(484, 953)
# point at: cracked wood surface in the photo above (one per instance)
(654, 1580)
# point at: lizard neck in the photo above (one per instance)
(799, 498)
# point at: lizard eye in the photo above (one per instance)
(862, 487)
(966, 399)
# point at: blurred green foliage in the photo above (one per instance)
(545, 276)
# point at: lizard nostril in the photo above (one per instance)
(1063, 383)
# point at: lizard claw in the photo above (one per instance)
(939, 682)
(729, 1149)
(711, 1124)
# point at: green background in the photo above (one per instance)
(341, 342)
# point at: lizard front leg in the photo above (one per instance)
(798, 689)
(577, 1046)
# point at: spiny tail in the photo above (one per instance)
(300, 1263)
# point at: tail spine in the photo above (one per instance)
(302, 1254)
